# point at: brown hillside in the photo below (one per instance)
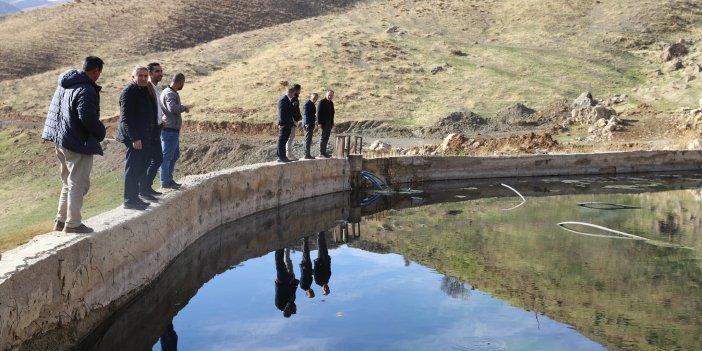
(47, 38)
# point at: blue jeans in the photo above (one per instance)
(170, 142)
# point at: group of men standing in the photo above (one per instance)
(286, 284)
(149, 126)
(289, 118)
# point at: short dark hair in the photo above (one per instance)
(178, 77)
(92, 63)
(151, 66)
(297, 87)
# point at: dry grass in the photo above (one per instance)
(48, 38)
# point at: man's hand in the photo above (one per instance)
(188, 108)
(136, 145)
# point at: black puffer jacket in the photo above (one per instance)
(73, 121)
(137, 116)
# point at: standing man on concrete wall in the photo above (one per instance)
(156, 155)
(285, 123)
(309, 123)
(73, 124)
(137, 123)
(172, 123)
(297, 116)
(325, 118)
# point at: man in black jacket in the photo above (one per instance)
(137, 130)
(306, 271)
(73, 124)
(285, 122)
(309, 122)
(285, 283)
(322, 264)
(325, 118)
(297, 117)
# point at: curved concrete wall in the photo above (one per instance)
(59, 278)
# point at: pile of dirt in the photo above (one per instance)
(516, 114)
(459, 122)
(556, 112)
(457, 143)
(525, 143)
(373, 128)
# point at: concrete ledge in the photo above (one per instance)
(58, 278)
(397, 170)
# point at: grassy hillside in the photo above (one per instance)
(503, 52)
(47, 38)
(492, 54)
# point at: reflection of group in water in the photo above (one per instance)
(286, 284)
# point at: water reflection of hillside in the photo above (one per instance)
(627, 295)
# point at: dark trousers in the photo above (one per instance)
(309, 132)
(322, 245)
(155, 161)
(283, 135)
(326, 132)
(135, 165)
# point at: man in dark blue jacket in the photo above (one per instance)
(138, 131)
(309, 122)
(325, 118)
(285, 122)
(73, 124)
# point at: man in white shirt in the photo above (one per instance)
(155, 76)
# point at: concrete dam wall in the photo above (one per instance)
(61, 279)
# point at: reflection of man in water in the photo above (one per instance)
(285, 283)
(306, 269)
(322, 264)
(169, 339)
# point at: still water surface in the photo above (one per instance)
(443, 269)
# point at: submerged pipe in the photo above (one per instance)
(608, 206)
(520, 195)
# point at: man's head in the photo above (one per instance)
(325, 289)
(330, 94)
(314, 97)
(291, 91)
(140, 76)
(92, 66)
(298, 89)
(155, 72)
(178, 81)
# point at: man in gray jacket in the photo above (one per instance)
(73, 124)
(170, 133)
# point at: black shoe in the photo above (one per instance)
(151, 191)
(136, 205)
(324, 156)
(171, 185)
(283, 160)
(148, 197)
(309, 157)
